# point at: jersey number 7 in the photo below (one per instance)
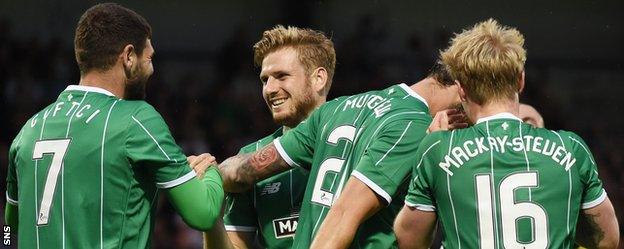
(57, 148)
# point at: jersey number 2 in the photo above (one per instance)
(510, 212)
(57, 148)
(319, 195)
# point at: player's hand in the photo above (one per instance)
(201, 163)
(448, 119)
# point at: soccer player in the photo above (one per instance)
(359, 151)
(528, 114)
(86, 170)
(297, 66)
(502, 183)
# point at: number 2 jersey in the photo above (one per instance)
(85, 171)
(371, 136)
(505, 184)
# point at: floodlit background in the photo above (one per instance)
(207, 88)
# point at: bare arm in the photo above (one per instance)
(216, 237)
(598, 227)
(240, 172)
(243, 240)
(415, 228)
(356, 204)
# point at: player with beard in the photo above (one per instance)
(297, 66)
(85, 171)
(359, 151)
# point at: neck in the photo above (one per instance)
(475, 111)
(429, 89)
(320, 102)
(110, 80)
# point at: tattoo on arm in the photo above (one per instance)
(589, 232)
(240, 172)
(263, 158)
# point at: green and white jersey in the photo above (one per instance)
(272, 207)
(85, 171)
(505, 184)
(371, 136)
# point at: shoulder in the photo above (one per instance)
(261, 143)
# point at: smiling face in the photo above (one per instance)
(286, 87)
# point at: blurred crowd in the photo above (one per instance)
(212, 102)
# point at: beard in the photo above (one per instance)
(300, 109)
(135, 84)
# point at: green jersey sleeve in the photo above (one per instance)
(149, 144)
(297, 145)
(240, 215)
(420, 193)
(388, 159)
(593, 192)
(11, 180)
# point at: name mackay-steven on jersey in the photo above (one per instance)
(472, 148)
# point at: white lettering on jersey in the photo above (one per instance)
(461, 154)
(378, 104)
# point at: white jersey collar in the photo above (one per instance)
(502, 115)
(89, 89)
(413, 93)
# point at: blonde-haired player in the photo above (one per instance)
(297, 66)
(502, 183)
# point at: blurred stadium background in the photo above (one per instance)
(206, 86)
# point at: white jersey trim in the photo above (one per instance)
(378, 190)
(413, 93)
(230, 228)
(421, 207)
(176, 182)
(89, 89)
(502, 115)
(153, 139)
(9, 200)
(596, 202)
(283, 154)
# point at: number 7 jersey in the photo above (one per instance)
(504, 184)
(84, 171)
(371, 136)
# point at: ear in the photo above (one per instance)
(319, 79)
(521, 83)
(128, 56)
(462, 92)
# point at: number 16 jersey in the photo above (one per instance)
(504, 184)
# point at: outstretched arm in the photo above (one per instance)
(356, 204)
(199, 202)
(598, 227)
(414, 228)
(240, 172)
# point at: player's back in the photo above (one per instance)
(505, 184)
(79, 184)
(358, 136)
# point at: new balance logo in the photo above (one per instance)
(271, 188)
(285, 227)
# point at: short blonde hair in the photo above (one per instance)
(314, 49)
(488, 60)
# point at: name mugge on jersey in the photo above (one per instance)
(471, 148)
(378, 104)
